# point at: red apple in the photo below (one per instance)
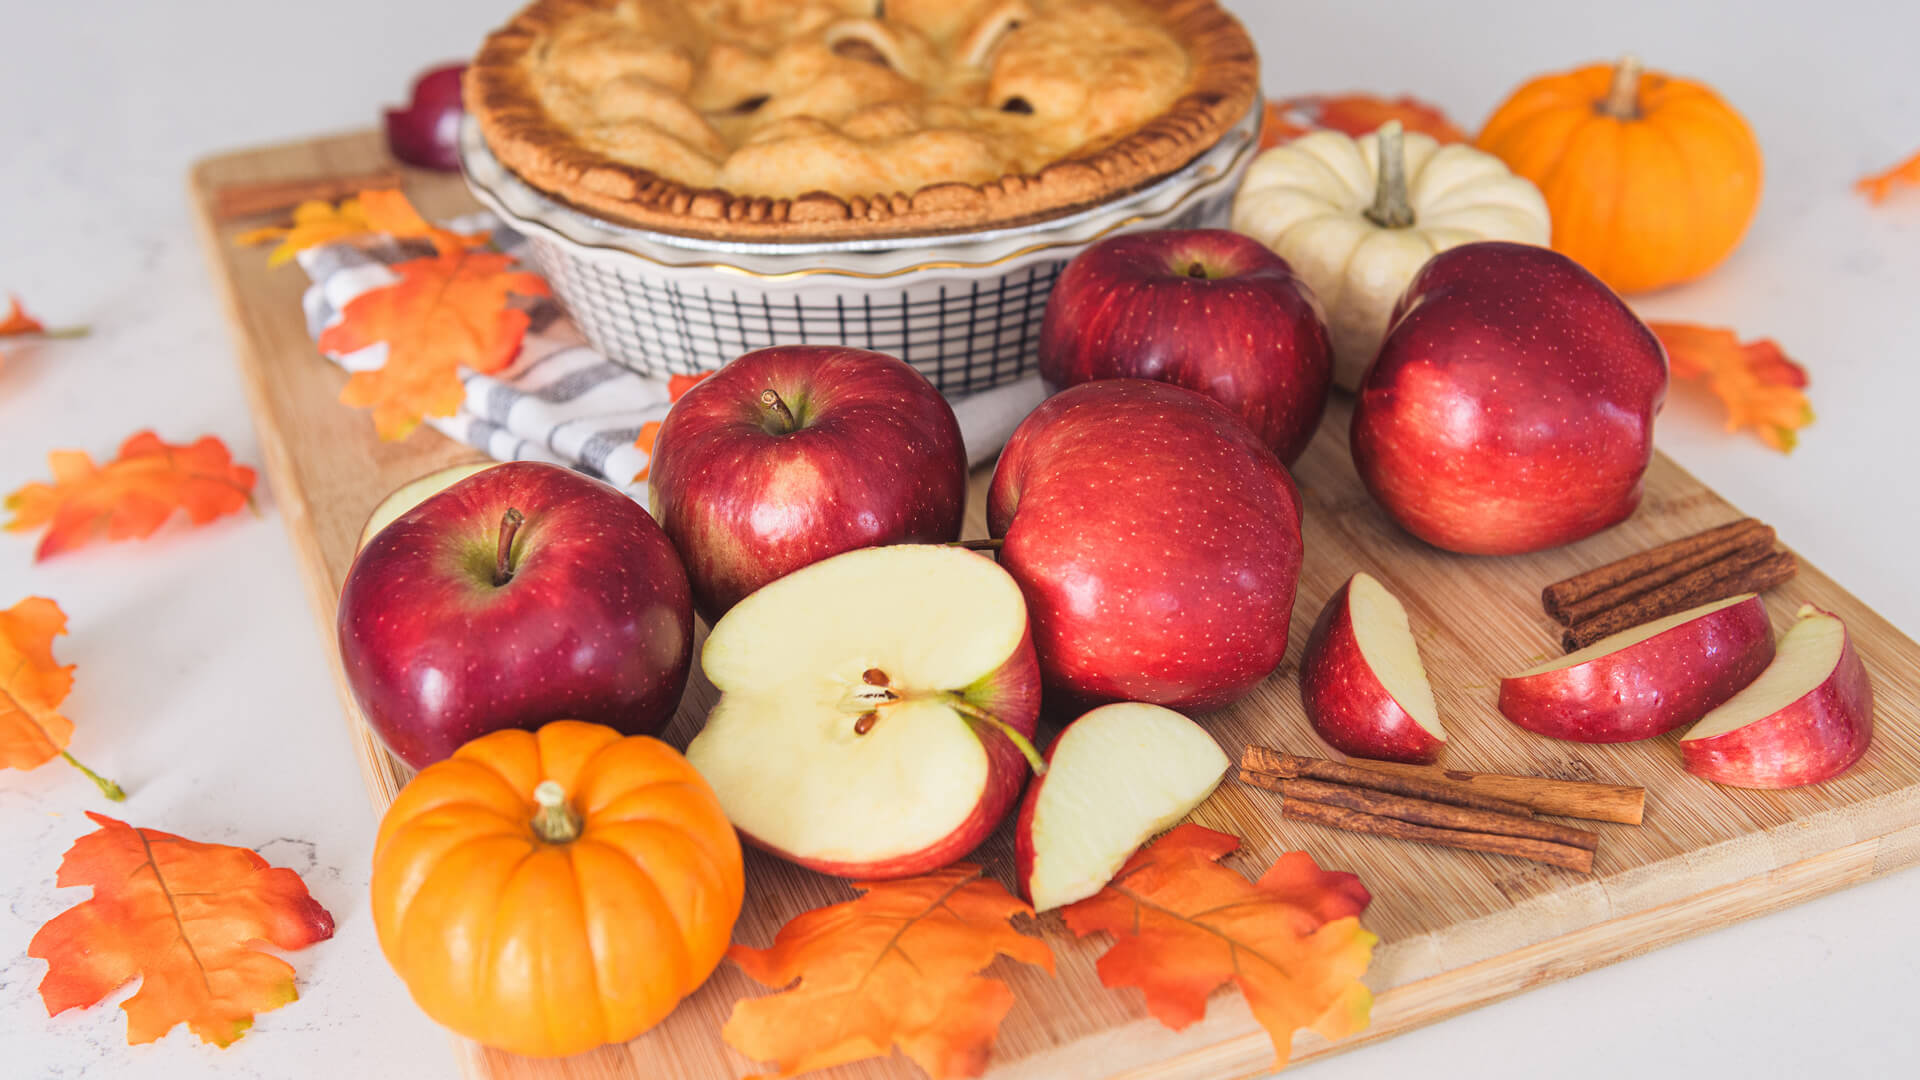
(1645, 681)
(1157, 540)
(1805, 719)
(1511, 406)
(522, 594)
(1207, 309)
(875, 710)
(1362, 682)
(790, 454)
(1117, 777)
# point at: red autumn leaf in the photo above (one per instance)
(1879, 187)
(1184, 926)
(1353, 114)
(32, 686)
(896, 967)
(186, 919)
(677, 387)
(131, 496)
(1761, 388)
(446, 312)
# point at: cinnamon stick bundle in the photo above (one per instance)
(1560, 595)
(1564, 798)
(1260, 759)
(1422, 812)
(1339, 817)
(1750, 544)
(1743, 572)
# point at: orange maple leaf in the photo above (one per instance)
(17, 323)
(131, 496)
(1760, 386)
(1879, 186)
(1184, 926)
(677, 387)
(896, 967)
(1353, 114)
(317, 223)
(32, 686)
(184, 918)
(446, 312)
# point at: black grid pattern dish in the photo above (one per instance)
(963, 333)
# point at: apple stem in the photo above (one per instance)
(977, 715)
(782, 416)
(111, 790)
(555, 822)
(978, 545)
(1390, 209)
(510, 523)
(1623, 95)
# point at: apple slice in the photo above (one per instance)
(875, 710)
(414, 492)
(1116, 777)
(1645, 681)
(1362, 682)
(1805, 719)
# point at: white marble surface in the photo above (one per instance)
(202, 685)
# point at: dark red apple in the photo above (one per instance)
(1511, 406)
(1157, 540)
(1207, 309)
(795, 453)
(522, 594)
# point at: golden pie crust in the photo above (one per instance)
(852, 119)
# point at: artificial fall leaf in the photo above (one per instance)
(1760, 386)
(185, 919)
(132, 495)
(446, 312)
(32, 686)
(1353, 114)
(316, 223)
(896, 967)
(1184, 926)
(17, 323)
(1879, 186)
(677, 387)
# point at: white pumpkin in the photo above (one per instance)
(1357, 233)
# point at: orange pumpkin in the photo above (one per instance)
(1650, 180)
(546, 892)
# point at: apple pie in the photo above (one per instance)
(850, 119)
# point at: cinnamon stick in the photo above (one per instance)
(1421, 811)
(1260, 759)
(1620, 571)
(1564, 798)
(1741, 572)
(1758, 541)
(1339, 817)
(249, 199)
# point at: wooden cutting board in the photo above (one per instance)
(1458, 929)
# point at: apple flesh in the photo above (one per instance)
(413, 493)
(1207, 309)
(875, 710)
(1805, 719)
(791, 454)
(1511, 406)
(1116, 777)
(523, 594)
(1361, 680)
(1157, 540)
(1645, 681)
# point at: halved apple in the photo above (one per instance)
(875, 710)
(1116, 777)
(413, 493)
(1362, 682)
(1645, 681)
(1805, 719)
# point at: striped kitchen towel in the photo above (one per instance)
(560, 401)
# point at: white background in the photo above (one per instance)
(202, 685)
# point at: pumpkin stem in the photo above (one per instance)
(1390, 209)
(555, 822)
(510, 523)
(1623, 96)
(779, 417)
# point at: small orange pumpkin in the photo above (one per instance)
(546, 892)
(1650, 180)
